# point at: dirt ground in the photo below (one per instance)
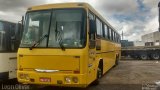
(133, 72)
(133, 75)
(128, 75)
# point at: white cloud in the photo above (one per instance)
(152, 25)
(2, 13)
(133, 29)
(138, 24)
(151, 3)
(118, 6)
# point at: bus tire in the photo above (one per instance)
(117, 61)
(155, 56)
(99, 75)
(143, 56)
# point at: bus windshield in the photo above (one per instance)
(63, 27)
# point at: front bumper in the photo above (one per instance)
(56, 79)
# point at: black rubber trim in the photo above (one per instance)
(4, 76)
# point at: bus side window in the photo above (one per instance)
(106, 31)
(103, 30)
(91, 35)
(113, 35)
(12, 36)
(91, 16)
(119, 39)
(116, 37)
(110, 34)
(99, 28)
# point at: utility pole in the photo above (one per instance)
(122, 34)
(159, 15)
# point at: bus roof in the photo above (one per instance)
(69, 5)
(57, 5)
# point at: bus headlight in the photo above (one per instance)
(24, 76)
(21, 76)
(67, 79)
(75, 79)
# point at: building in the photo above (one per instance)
(139, 43)
(126, 43)
(151, 39)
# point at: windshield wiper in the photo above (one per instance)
(38, 42)
(59, 38)
(61, 45)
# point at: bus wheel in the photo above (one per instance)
(99, 75)
(117, 61)
(155, 56)
(143, 56)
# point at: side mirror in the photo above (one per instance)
(22, 20)
(92, 26)
(20, 28)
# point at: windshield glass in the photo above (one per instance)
(65, 27)
(36, 26)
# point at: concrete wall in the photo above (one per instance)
(152, 37)
(148, 37)
(139, 43)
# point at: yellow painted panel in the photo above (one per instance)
(49, 62)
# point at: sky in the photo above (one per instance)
(134, 17)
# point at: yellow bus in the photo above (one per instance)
(67, 44)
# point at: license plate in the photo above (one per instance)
(44, 79)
